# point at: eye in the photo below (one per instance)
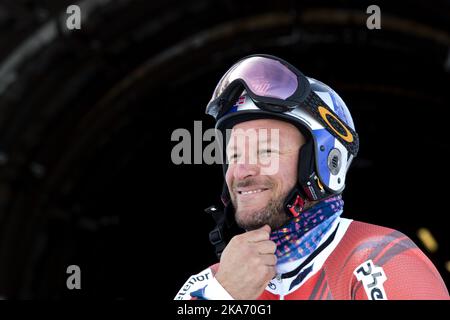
(266, 152)
(232, 157)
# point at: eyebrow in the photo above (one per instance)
(266, 138)
(261, 143)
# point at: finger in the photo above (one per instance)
(269, 260)
(272, 272)
(266, 247)
(269, 274)
(266, 228)
(257, 235)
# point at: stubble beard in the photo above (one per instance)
(272, 214)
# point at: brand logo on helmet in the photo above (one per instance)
(325, 113)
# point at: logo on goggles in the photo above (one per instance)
(341, 129)
(240, 101)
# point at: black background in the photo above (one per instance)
(86, 119)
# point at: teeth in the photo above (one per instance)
(251, 191)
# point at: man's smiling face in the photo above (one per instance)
(263, 158)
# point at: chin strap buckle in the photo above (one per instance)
(297, 206)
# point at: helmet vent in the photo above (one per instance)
(334, 161)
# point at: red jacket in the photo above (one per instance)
(355, 261)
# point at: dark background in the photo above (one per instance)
(86, 118)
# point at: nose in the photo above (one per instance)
(245, 170)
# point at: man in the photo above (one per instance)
(292, 141)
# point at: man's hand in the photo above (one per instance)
(248, 264)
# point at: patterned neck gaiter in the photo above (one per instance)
(302, 234)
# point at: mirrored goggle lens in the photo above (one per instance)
(264, 77)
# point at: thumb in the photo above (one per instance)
(266, 228)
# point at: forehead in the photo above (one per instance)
(267, 129)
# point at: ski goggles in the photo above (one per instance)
(276, 86)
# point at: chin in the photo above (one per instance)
(249, 211)
(254, 216)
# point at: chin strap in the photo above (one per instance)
(225, 229)
(311, 188)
